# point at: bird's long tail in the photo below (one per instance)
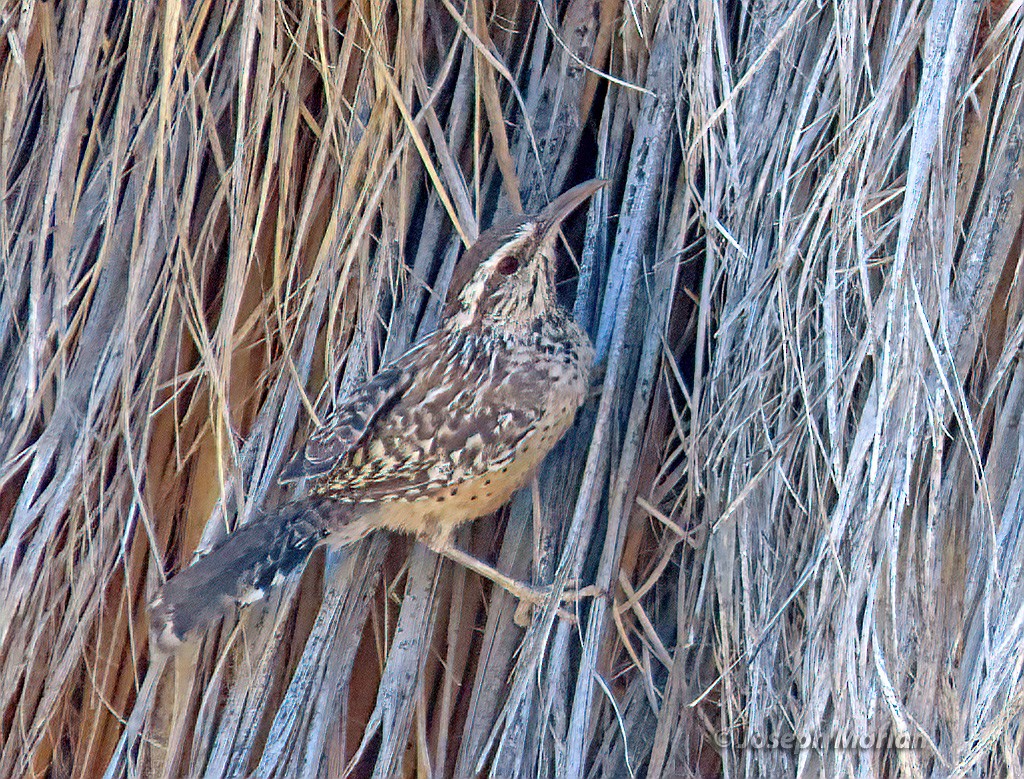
(242, 567)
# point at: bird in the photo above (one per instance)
(444, 434)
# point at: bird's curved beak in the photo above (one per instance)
(557, 210)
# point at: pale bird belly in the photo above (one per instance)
(476, 497)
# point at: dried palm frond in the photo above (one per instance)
(799, 488)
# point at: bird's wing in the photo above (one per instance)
(458, 421)
(347, 425)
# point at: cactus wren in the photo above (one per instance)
(443, 435)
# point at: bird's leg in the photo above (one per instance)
(528, 596)
(520, 590)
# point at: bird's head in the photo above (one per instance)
(507, 276)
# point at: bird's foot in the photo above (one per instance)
(529, 597)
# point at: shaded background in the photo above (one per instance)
(801, 485)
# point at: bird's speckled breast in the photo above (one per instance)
(471, 430)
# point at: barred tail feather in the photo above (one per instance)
(242, 567)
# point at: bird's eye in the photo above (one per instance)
(508, 265)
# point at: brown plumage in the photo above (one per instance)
(443, 435)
